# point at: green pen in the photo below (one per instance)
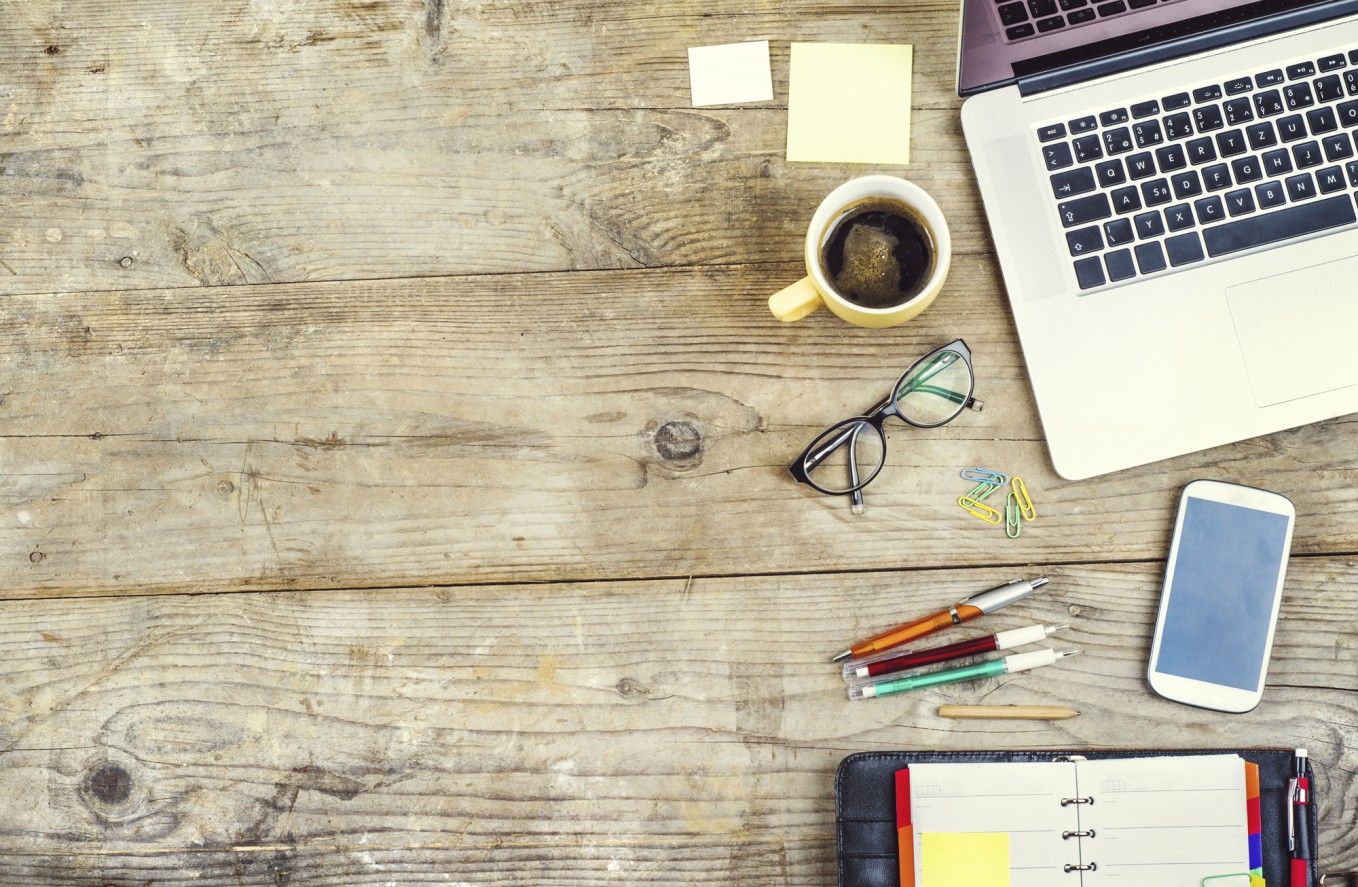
(1007, 665)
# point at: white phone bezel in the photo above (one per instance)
(1202, 693)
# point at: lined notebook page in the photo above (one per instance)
(1159, 821)
(1020, 800)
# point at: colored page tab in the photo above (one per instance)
(979, 859)
(849, 103)
(905, 833)
(1253, 816)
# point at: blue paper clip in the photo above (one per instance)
(985, 476)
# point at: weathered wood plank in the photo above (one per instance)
(577, 426)
(154, 144)
(566, 734)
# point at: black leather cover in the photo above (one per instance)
(865, 803)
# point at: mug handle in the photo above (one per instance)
(796, 301)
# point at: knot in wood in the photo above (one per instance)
(679, 442)
(109, 784)
(628, 688)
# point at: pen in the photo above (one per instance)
(876, 666)
(1298, 825)
(964, 610)
(1007, 665)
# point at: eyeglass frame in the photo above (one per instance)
(876, 417)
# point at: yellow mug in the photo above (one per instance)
(814, 290)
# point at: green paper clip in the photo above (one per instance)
(983, 489)
(1013, 518)
(1254, 880)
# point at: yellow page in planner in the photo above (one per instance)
(1124, 822)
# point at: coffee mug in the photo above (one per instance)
(877, 252)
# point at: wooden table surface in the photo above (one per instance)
(395, 442)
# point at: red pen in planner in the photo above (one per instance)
(1299, 825)
(888, 663)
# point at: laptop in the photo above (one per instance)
(1170, 187)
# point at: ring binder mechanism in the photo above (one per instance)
(1068, 835)
(1092, 867)
(1065, 802)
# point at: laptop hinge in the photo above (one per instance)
(1189, 45)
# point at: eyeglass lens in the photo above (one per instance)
(935, 390)
(845, 457)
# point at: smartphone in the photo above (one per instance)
(1223, 586)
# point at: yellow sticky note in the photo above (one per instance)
(849, 103)
(976, 860)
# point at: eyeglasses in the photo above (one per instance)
(846, 457)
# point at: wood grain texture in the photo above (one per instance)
(463, 430)
(635, 732)
(157, 144)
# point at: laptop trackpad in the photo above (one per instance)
(1288, 325)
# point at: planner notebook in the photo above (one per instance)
(878, 829)
(1130, 821)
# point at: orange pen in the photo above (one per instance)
(964, 610)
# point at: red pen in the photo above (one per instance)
(887, 663)
(1298, 824)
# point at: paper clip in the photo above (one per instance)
(1025, 503)
(979, 509)
(1340, 879)
(1013, 518)
(985, 475)
(983, 489)
(1252, 880)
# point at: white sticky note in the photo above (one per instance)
(730, 74)
(849, 103)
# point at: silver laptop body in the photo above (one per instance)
(1179, 277)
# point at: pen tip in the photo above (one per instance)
(1055, 628)
(842, 656)
(1039, 582)
(1065, 653)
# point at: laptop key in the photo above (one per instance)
(1333, 62)
(1240, 203)
(1118, 232)
(1330, 179)
(1352, 169)
(1178, 126)
(1208, 118)
(1295, 221)
(1170, 158)
(1329, 89)
(1083, 210)
(1118, 141)
(1089, 273)
(1246, 170)
(1179, 217)
(1261, 136)
(1351, 81)
(1148, 133)
(1115, 8)
(1303, 69)
(1321, 121)
(1111, 172)
(1176, 101)
(1266, 104)
(1126, 200)
(1292, 128)
(1149, 225)
(1301, 187)
(1184, 249)
(1239, 85)
(1206, 94)
(1307, 155)
(1277, 162)
(1114, 117)
(1085, 240)
(1238, 111)
(1073, 183)
(1120, 265)
(1209, 210)
(1298, 95)
(1083, 124)
(1270, 194)
(1051, 132)
(1216, 177)
(1186, 184)
(1140, 166)
(1057, 156)
(1018, 32)
(1231, 143)
(1201, 151)
(1156, 192)
(1145, 109)
(1150, 258)
(1080, 16)
(1047, 25)
(1088, 148)
(1270, 78)
(1348, 114)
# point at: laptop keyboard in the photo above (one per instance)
(1176, 180)
(1022, 19)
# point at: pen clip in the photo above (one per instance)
(1292, 789)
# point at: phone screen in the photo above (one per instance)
(1219, 611)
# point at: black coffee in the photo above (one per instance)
(879, 254)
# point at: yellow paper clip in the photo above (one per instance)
(1025, 504)
(979, 509)
(985, 475)
(1013, 519)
